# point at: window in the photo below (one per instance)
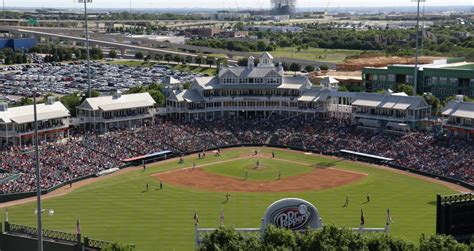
(435, 80)
(409, 79)
(391, 77)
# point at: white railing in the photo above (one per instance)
(246, 108)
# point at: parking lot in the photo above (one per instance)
(68, 78)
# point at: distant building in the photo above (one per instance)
(459, 118)
(17, 123)
(202, 32)
(233, 34)
(274, 28)
(114, 112)
(441, 78)
(283, 7)
(17, 44)
(233, 16)
(276, 18)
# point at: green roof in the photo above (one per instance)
(462, 67)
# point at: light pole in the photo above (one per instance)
(38, 173)
(87, 47)
(4, 15)
(415, 77)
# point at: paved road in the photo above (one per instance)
(102, 39)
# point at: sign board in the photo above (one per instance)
(292, 213)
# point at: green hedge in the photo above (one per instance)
(327, 238)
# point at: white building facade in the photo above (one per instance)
(458, 118)
(17, 123)
(119, 111)
(264, 91)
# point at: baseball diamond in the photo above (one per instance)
(108, 206)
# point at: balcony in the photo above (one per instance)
(458, 125)
(388, 118)
(83, 120)
(30, 132)
(246, 108)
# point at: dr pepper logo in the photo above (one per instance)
(292, 217)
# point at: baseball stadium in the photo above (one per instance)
(222, 151)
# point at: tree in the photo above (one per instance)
(112, 54)
(147, 58)
(158, 97)
(186, 85)
(243, 62)
(343, 88)
(177, 58)
(295, 67)
(433, 101)
(71, 101)
(324, 67)
(158, 57)
(210, 61)
(24, 101)
(408, 89)
(309, 68)
(168, 57)
(139, 55)
(117, 247)
(199, 60)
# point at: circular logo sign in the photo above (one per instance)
(292, 213)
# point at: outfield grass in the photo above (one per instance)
(316, 54)
(268, 169)
(204, 69)
(119, 209)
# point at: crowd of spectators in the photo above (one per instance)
(90, 153)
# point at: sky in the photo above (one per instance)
(234, 4)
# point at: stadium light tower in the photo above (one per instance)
(38, 173)
(87, 47)
(417, 37)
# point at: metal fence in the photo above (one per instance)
(32, 231)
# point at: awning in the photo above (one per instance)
(369, 123)
(463, 114)
(401, 106)
(399, 126)
(364, 102)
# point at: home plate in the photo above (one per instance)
(308, 153)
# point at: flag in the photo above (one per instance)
(389, 217)
(362, 219)
(196, 217)
(78, 227)
(222, 216)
